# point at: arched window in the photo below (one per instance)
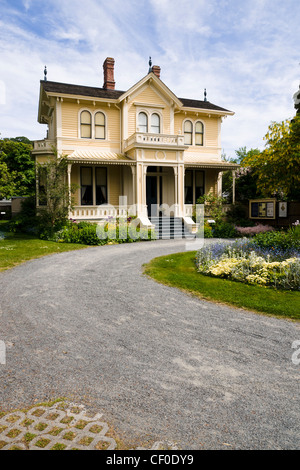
(199, 133)
(155, 123)
(188, 133)
(99, 126)
(86, 125)
(143, 122)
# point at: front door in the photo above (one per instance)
(151, 193)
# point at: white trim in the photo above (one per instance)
(59, 135)
(147, 105)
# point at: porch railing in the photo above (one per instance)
(188, 210)
(99, 212)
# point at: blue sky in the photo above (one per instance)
(245, 53)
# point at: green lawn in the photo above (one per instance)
(179, 271)
(16, 248)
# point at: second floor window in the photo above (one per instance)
(199, 133)
(188, 133)
(86, 125)
(143, 122)
(99, 126)
(155, 124)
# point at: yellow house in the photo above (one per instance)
(143, 148)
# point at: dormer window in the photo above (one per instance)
(199, 133)
(155, 123)
(99, 126)
(143, 122)
(86, 124)
(188, 133)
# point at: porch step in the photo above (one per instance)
(170, 227)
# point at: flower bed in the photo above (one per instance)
(250, 231)
(244, 261)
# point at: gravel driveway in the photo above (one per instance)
(159, 364)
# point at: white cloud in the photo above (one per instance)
(244, 53)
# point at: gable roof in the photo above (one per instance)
(95, 92)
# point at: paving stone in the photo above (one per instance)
(62, 426)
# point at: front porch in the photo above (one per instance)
(128, 188)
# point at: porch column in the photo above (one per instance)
(69, 186)
(144, 190)
(180, 190)
(175, 168)
(219, 184)
(233, 186)
(134, 193)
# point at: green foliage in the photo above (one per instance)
(56, 196)
(213, 206)
(94, 234)
(7, 181)
(245, 180)
(17, 168)
(208, 233)
(279, 239)
(224, 230)
(277, 168)
(26, 220)
(237, 215)
(83, 233)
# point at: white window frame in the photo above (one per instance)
(194, 122)
(149, 113)
(93, 133)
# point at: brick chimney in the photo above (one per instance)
(108, 72)
(156, 70)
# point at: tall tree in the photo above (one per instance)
(55, 196)
(7, 182)
(246, 181)
(19, 164)
(278, 167)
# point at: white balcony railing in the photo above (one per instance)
(44, 145)
(154, 140)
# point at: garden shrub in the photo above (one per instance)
(224, 230)
(26, 220)
(278, 239)
(208, 233)
(88, 233)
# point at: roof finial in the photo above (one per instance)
(205, 95)
(45, 73)
(150, 65)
